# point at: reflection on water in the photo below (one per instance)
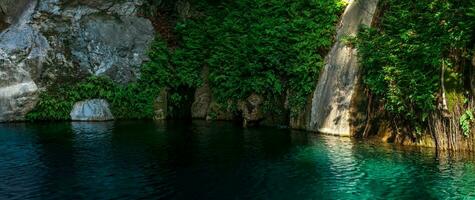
(199, 160)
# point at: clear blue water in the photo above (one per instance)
(199, 160)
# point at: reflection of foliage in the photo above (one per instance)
(402, 58)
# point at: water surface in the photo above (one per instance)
(199, 160)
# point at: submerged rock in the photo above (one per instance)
(91, 110)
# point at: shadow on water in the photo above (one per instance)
(218, 160)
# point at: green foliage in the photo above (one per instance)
(403, 57)
(250, 46)
(264, 47)
(466, 121)
(132, 101)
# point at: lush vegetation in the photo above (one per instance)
(414, 46)
(254, 46)
(131, 102)
(128, 101)
(269, 47)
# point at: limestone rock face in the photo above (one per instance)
(112, 46)
(101, 37)
(202, 101)
(50, 42)
(252, 110)
(333, 96)
(199, 108)
(10, 11)
(91, 110)
(22, 49)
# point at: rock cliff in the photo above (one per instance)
(48, 42)
(334, 93)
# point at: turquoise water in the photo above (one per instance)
(199, 160)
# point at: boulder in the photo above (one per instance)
(91, 110)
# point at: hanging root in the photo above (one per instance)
(447, 132)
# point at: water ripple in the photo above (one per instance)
(199, 160)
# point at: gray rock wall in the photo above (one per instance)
(10, 11)
(48, 42)
(22, 48)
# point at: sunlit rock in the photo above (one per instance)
(336, 87)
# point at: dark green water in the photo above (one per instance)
(198, 160)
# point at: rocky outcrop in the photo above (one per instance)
(332, 98)
(58, 42)
(161, 105)
(202, 100)
(91, 110)
(112, 46)
(10, 11)
(22, 50)
(199, 108)
(17, 100)
(251, 110)
(103, 37)
(301, 120)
